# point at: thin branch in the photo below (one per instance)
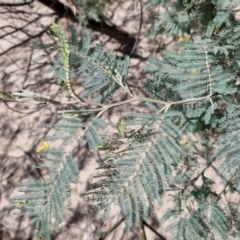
(142, 230)
(28, 69)
(114, 233)
(122, 238)
(190, 183)
(140, 27)
(89, 225)
(152, 229)
(105, 234)
(227, 183)
(224, 189)
(112, 31)
(136, 98)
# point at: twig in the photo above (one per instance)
(112, 31)
(226, 185)
(151, 228)
(89, 225)
(140, 27)
(105, 234)
(114, 233)
(142, 231)
(190, 183)
(28, 69)
(224, 189)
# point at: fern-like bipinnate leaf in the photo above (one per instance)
(187, 228)
(76, 127)
(70, 128)
(195, 72)
(229, 148)
(224, 9)
(206, 221)
(136, 176)
(214, 218)
(94, 139)
(45, 200)
(190, 17)
(103, 73)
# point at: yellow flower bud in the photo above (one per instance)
(44, 146)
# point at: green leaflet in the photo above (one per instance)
(206, 221)
(185, 18)
(45, 200)
(228, 146)
(139, 175)
(65, 53)
(102, 72)
(75, 128)
(94, 139)
(121, 128)
(193, 73)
